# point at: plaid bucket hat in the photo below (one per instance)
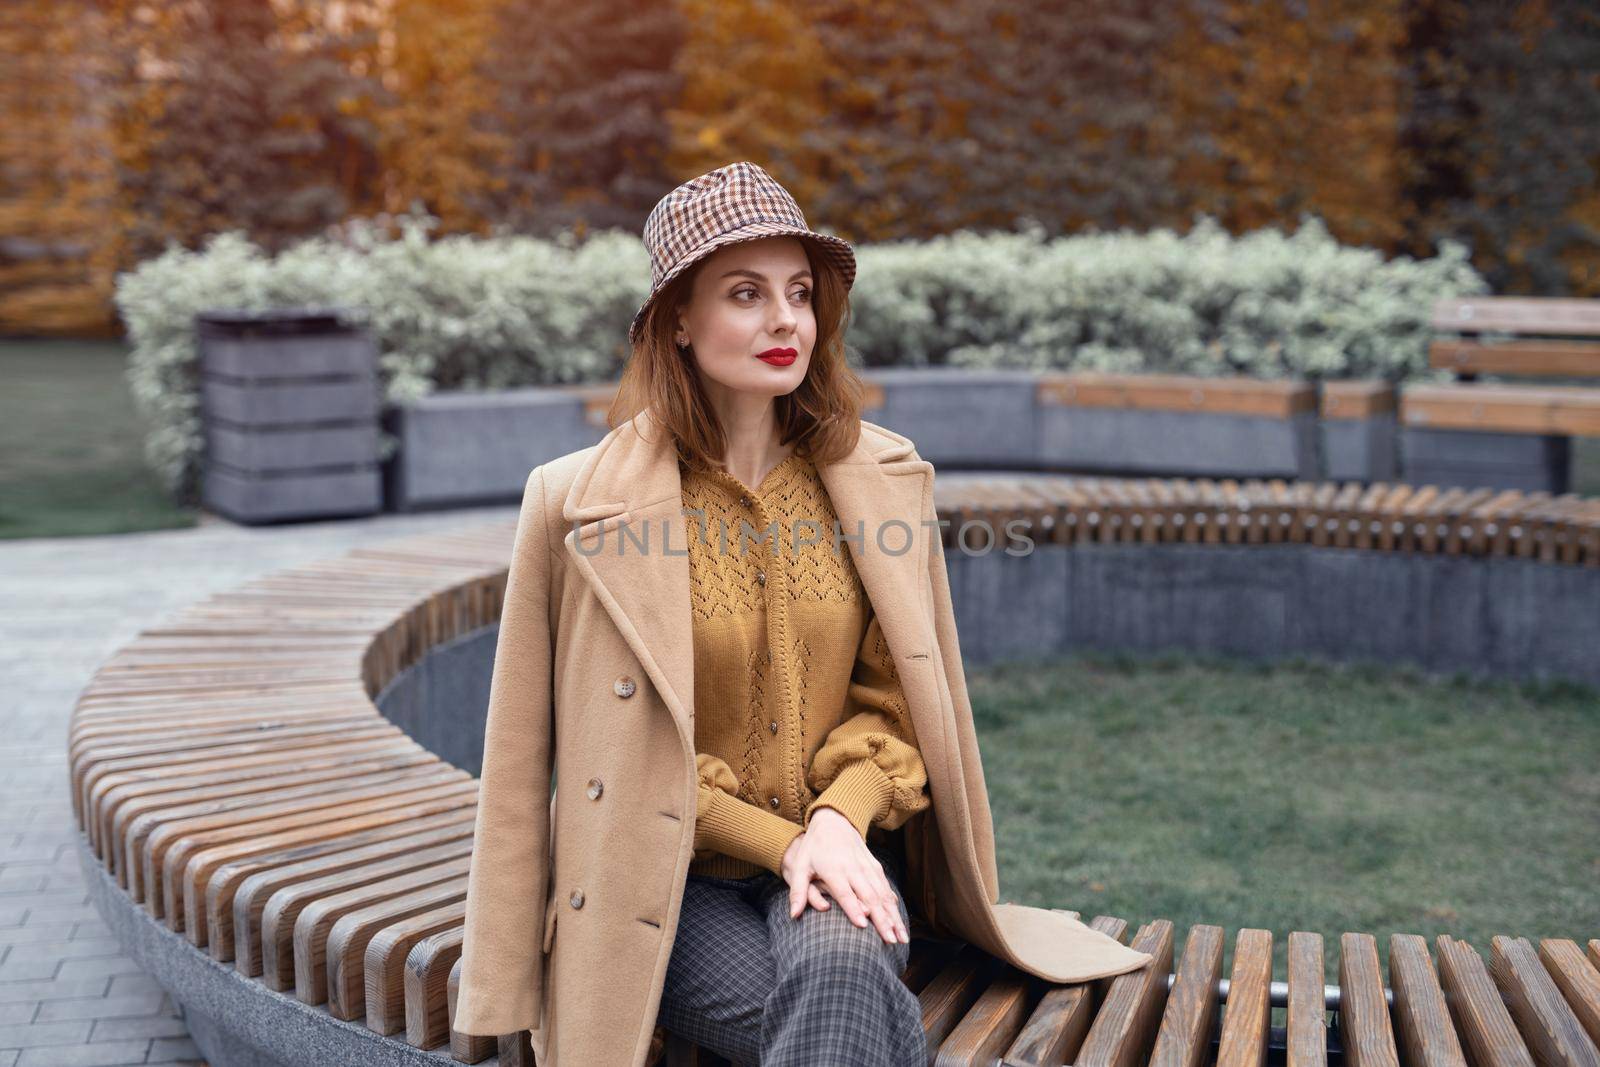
(738, 202)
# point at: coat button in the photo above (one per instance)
(761, 577)
(596, 787)
(577, 898)
(773, 801)
(744, 501)
(624, 686)
(772, 726)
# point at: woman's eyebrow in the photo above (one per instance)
(803, 272)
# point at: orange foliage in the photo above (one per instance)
(1290, 115)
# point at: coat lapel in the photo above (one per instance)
(627, 537)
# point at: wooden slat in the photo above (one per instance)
(297, 947)
(1364, 1025)
(1055, 1031)
(238, 890)
(1555, 316)
(179, 750)
(514, 1050)
(946, 999)
(386, 955)
(1552, 359)
(140, 791)
(992, 1023)
(1488, 1034)
(1577, 979)
(1306, 1036)
(1546, 1020)
(1184, 1037)
(929, 956)
(1356, 399)
(167, 858)
(1247, 1022)
(428, 970)
(198, 871)
(213, 790)
(1125, 1028)
(1174, 392)
(1421, 1018)
(343, 952)
(1549, 409)
(466, 1048)
(400, 870)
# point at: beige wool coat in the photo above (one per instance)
(573, 900)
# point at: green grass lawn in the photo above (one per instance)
(1296, 797)
(71, 445)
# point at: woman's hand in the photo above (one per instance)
(833, 852)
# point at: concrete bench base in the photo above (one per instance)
(1512, 618)
(1472, 458)
(236, 1021)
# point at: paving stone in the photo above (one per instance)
(63, 880)
(71, 949)
(21, 882)
(48, 832)
(50, 988)
(95, 927)
(24, 970)
(140, 1026)
(46, 898)
(36, 853)
(30, 1035)
(99, 1054)
(65, 912)
(100, 968)
(17, 935)
(111, 1007)
(129, 984)
(173, 1050)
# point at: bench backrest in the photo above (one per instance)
(1533, 336)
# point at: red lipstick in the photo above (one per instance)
(779, 357)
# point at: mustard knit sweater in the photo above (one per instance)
(797, 702)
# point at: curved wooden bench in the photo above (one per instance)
(237, 787)
(1055, 509)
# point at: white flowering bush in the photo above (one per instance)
(1266, 305)
(470, 313)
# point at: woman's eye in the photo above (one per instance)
(804, 294)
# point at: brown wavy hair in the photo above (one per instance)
(822, 416)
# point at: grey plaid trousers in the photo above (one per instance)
(763, 990)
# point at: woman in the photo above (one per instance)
(805, 698)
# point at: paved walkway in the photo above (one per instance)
(68, 998)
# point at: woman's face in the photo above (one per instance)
(749, 299)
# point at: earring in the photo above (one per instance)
(683, 343)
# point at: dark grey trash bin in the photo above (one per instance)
(289, 407)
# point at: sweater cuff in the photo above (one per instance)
(861, 792)
(736, 827)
